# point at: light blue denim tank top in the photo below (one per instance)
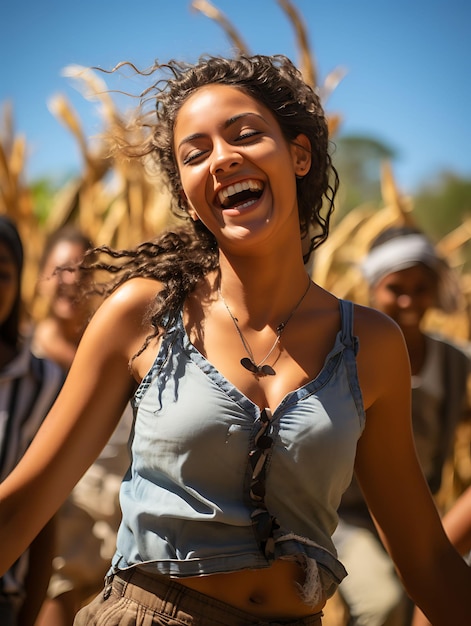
(187, 500)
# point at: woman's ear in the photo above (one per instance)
(301, 151)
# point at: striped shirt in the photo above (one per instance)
(28, 388)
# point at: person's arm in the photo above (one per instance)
(79, 424)
(41, 552)
(457, 525)
(433, 573)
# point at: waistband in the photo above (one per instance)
(168, 597)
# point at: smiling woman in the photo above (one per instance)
(241, 145)
(256, 393)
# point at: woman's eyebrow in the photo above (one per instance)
(227, 124)
(235, 118)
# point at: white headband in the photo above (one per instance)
(403, 252)
(398, 254)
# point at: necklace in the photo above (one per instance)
(261, 369)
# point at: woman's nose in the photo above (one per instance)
(224, 158)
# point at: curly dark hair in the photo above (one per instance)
(181, 258)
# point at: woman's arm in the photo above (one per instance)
(79, 424)
(434, 574)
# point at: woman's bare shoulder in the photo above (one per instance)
(383, 360)
(120, 318)
(132, 298)
(371, 325)
(135, 292)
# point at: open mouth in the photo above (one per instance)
(240, 194)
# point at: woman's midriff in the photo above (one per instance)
(271, 593)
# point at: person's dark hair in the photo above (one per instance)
(10, 329)
(69, 233)
(181, 258)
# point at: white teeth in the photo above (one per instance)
(246, 204)
(245, 185)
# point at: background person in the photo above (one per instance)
(87, 523)
(61, 311)
(406, 279)
(28, 387)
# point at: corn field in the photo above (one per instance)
(119, 203)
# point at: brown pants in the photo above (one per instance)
(134, 598)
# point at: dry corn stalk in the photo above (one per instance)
(15, 196)
(113, 212)
(218, 16)
(307, 63)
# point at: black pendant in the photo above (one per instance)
(264, 370)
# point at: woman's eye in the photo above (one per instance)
(248, 134)
(192, 156)
(195, 154)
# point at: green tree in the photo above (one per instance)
(358, 159)
(443, 205)
(43, 191)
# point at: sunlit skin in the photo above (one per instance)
(406, 296)
(261, 262)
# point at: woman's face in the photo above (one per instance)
(236, 168)
(61, 287)
(406, 295)
(8, 282)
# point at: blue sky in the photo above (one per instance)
(408, 80)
